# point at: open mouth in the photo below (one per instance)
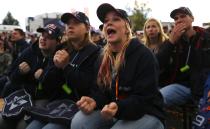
(111, 31)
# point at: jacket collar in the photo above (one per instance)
(87, 51)
(20, 42)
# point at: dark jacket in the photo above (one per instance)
(33, 56)
(78, 74)
(138, 81)
(174, 57)
(18, 48)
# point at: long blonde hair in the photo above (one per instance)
(162, 37)
(108, 60)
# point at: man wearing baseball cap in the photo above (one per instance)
(29, 70)
(52, 30)
(185, 59)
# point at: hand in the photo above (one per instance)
(177, 32)
(24, 68)
(38, 73)
(109, 111)
(61, 59)
(86, 104)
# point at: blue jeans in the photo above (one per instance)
(35, 124)
(95, 121)
(175, 94)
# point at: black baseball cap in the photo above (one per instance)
(54, 31)
(80, 16)
(103, 9)
(183, 10)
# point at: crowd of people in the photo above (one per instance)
(116, 79)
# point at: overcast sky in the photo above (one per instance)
(21, 9)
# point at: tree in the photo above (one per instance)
(139, 15)
(9, 20)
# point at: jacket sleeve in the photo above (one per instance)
(52, 77)
(14, 73)
(164, 54)
(144, 91)
(100, 95)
